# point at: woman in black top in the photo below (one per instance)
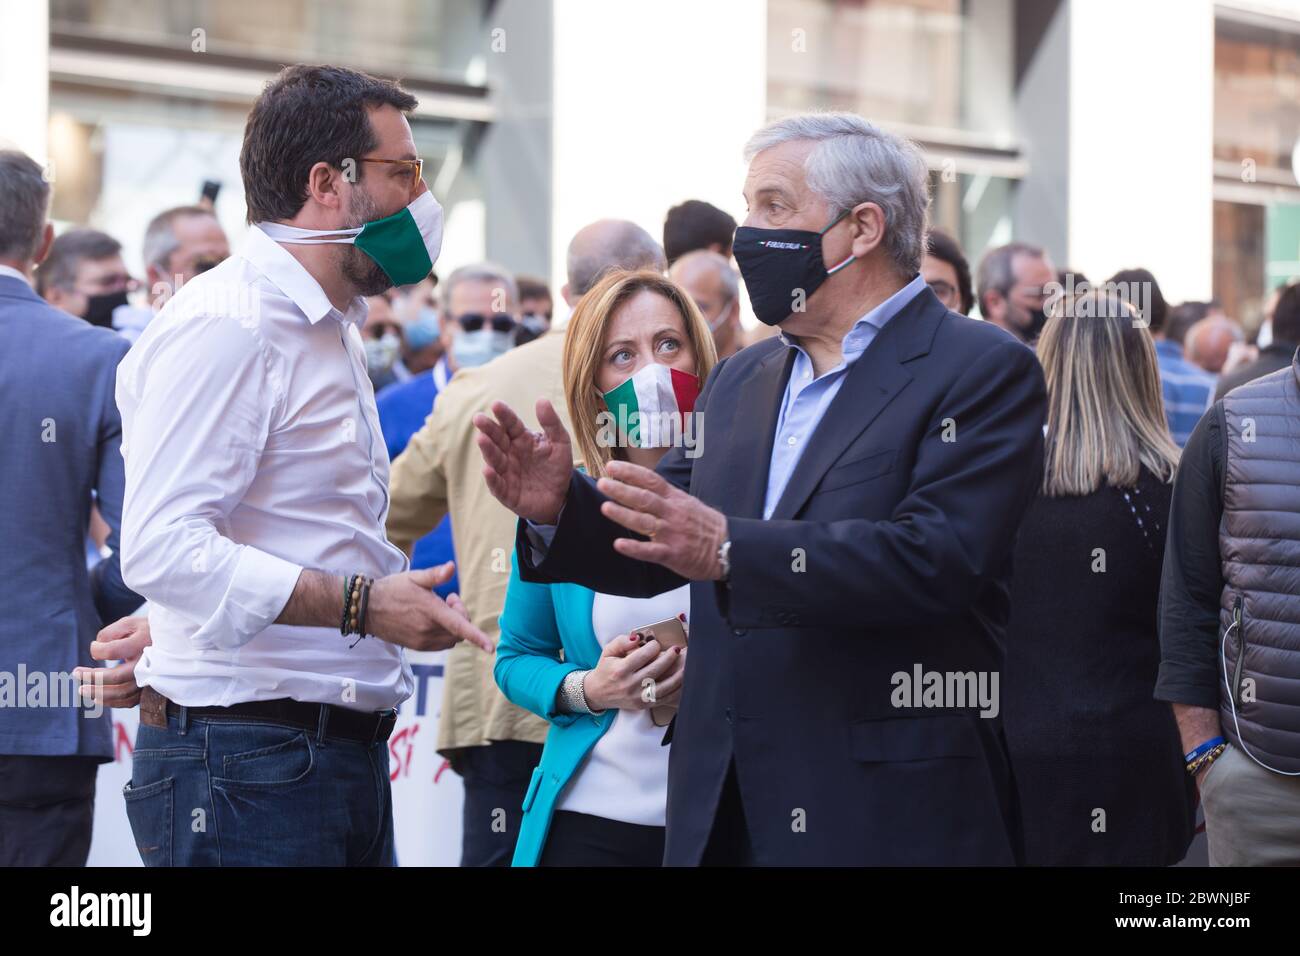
(1097, 759)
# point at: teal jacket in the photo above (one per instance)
(538, 622)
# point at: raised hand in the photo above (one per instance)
(404, 610)
(526, 471)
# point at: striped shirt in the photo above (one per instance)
(1188, 390)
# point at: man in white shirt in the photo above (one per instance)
(256, 494)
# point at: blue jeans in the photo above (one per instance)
(207, 792)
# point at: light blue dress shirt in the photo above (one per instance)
(807, 398)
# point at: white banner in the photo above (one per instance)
(427, 795)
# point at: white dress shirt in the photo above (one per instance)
(253, 451)
(13, 273)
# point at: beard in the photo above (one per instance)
(354, 265)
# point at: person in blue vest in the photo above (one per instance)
(636, 343)
(475, 300)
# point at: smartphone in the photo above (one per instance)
(210, 190)
(669, 633)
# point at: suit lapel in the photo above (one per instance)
(750, 448)
(871, 384)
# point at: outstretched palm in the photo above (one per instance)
(527, 471)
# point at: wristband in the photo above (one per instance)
(1204, 748)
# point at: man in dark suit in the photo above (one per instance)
(847, 531)
(63, 439)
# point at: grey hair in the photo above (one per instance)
(24, 204)
(995, 271)
(854, 162)
(628, 246)
(160, 235)
(719, 263)
(488, 272)
(68, 251)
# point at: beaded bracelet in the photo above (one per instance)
(349, 583)
(1205, 759)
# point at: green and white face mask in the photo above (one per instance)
(405, 245)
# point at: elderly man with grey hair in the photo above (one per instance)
(846, 526)
(715, 287)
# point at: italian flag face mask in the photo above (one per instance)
(649, 406)
(405, 245)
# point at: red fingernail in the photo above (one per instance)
(682, 616)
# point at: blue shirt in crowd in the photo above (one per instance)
(1188, 390)
(403, 408)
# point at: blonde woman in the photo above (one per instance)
(1097, 759)
(636, 353)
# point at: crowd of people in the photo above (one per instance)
(875, 583)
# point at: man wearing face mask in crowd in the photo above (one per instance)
(1010, 289)
(417, 310)
(715, 287)
(256, 494)
(535, 308)
(480, 305)
(382, 335)
(845, 521)
(84, 275)
(179, 244)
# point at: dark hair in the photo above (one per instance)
(696, 224)
(530, 287)
(308, 115)
(24, 199)
(59, 270)
(1159, 308)
(1286, 315)
(1183, 317)
(945, 248)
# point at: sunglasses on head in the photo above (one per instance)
(473, 322)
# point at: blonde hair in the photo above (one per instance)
(584, 345)
(1105, 410)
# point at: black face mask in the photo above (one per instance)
(530, 326)
(99, 308)
(777, 264)
(1037, 319)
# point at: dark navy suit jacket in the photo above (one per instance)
(890, 548)
(62, 442)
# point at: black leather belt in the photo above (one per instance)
(340, 722)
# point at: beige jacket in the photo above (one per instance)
(441, 471)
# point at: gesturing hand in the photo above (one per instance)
(684, 533)
(526, 471)
(404, 610)
(124, 640)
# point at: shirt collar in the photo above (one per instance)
(1169, 347)
(14, 274)
(289, 276)
(858, 338)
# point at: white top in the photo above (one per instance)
(253, 450)
(625, 777)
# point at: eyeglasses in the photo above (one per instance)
(944, 290)
(472, 322)
(415, 165)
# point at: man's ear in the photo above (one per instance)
(325, 184)
(869, 228)
(47, 240)
(564, 294)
